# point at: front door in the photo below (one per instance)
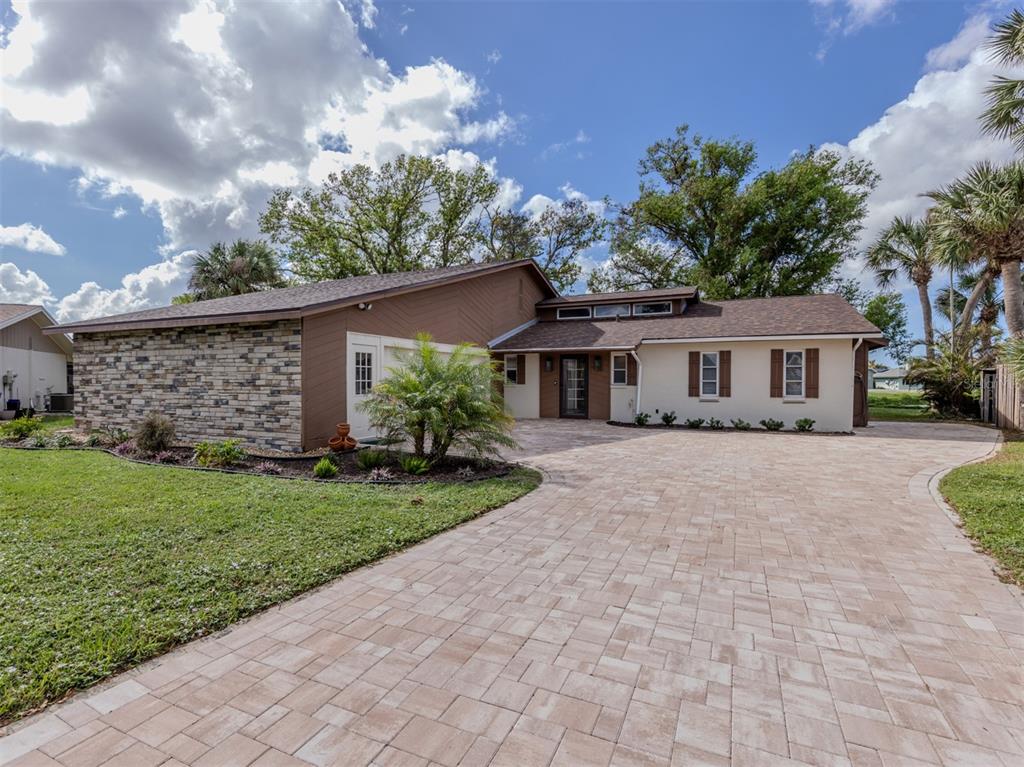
(573, 400)
(363, 369)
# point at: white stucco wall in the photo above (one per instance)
(523, 400)
(36, 371)
(665, 384)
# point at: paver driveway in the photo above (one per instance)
(665, 597)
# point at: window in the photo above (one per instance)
(658, 307)
(618, 370)
(794, 376)
(574, 313)
(709, 374)
(612, 310)
(511, 368)
(364, 373)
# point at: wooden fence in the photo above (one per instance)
(1009, 399)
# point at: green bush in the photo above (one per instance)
(325, 468)
(771, 424)
(63, 441)
(220, 454)
(93, 440)
(716, 424)
(641, 419)
(414, 464)
(804, 424)
(449, 400)
(40, 441)
(694, 423)
(20, 428)
(155, 434)
(368, 460)
(950, 380)
(740, 425)
(668, 418)
(112, 437)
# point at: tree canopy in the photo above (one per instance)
(244, 266)
(706, 216)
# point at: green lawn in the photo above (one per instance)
(898, 406)
(106, 563)
(54, 422)
(990, 499)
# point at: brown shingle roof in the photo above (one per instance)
(682, 291)
(290, 302)
(743, 318)
(10, 311)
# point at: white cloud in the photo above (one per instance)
(558, 147)
(31, 238)
(197, 106)
(847, 17)
(971, 36)
(151, 286)
(119, 212)
(494, 56)
(538, 203)
(18, 287)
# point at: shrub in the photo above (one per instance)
(63, 441)
(641, 419)
(668, 418)
(127, 449)
(694, 423)
(740, 425)
(451, 400)
(219, 454)
(165, 456)
(112, 437)
(771, 424)
(466, 472)
(267, 467)
(325, 468)
(93, 440)
(716, 424)
(155, 434)
(367, 460)
(381, 474)
(414, 464)
(40, 441)
(804, 424)
(950, 380)
(20, 428)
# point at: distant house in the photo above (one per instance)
(281, 368)
(33, 366)
(894, 379)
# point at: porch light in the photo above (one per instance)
(549, 364)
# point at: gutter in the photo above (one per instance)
(639, 381)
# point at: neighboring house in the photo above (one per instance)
(281, 368)
(32, 364)
(894, 379)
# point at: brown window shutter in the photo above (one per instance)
(777, 364)
(694, 374)
(811, 373)
(725, 373)
(630, 370)
(520, 369)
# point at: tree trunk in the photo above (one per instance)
(1013, 297)
(926, 317)
(967, 315)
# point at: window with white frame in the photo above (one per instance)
(618, 370)
(655, 307)
(512, 368)
(611, 310)
(574, 313)
(364, 373)
(709, 374)
(794, 376)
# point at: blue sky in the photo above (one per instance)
(131, 138)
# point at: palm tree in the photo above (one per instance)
(903, 249)
(246, 266)
(1005, 109)
(979, 219)
(987, 311)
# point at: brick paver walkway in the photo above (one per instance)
(665, 597)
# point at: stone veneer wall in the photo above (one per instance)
(215, 382)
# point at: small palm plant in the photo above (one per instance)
(441, 401)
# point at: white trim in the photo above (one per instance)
(625, 370)
(566, 349)
(652, 314)
(723, 339)
(803, 375)
(705, 396)
(597, 316)
(559, 310)
(505, 336)
(505, 370)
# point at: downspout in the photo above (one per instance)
(639, 380)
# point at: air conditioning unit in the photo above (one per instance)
(62, 403)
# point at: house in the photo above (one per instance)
(280, 369)
(32, 365)
(893, 379)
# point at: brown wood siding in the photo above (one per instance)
(476, 311)
(725, 373)
(28, 335)
(860, 386)
(694, 374)
(600, 389)
(811, 389)
(776, 373)
(1009, 393)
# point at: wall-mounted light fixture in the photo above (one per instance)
(597, 362)
(549, 364)
(365, 307)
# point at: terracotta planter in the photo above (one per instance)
(343, 430)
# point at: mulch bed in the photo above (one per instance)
(754, 429)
